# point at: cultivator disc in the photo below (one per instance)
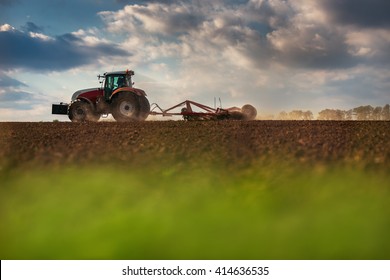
(249, 112)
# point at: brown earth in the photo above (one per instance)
(226, 143)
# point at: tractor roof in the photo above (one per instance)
(130, 72)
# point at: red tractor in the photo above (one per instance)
(118, 97)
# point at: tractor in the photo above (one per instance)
(118, 97)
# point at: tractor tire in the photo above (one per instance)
(82, 111)
(125, 107)
(249, 112)
(144, 108)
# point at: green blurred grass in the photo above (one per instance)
(265, 211)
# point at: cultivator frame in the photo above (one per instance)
(206, 113)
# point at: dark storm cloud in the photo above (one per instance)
(316, 47)
(363, 13)
(302, 41)
(19, 50)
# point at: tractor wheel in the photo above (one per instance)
(81, 111)
(249, 112)
(144, 108)
(125, 107)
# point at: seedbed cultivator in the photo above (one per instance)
(204, 112)
(118, 97)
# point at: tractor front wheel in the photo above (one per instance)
(81, 111)
(125, 107)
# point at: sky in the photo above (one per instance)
(276, 55)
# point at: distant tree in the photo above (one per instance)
(324, 115)
(283, 115)
(348, 115)
(295, 115)
(359, 113)
(386, 112)
(308, 116)
(377, 113)
(340, 115)
(363, 113)
(331, 114)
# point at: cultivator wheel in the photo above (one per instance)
(82, 111)
(125, 107)
(249, 112)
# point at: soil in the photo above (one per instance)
(224, 143)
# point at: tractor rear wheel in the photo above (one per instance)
(81, 111)
(125, 107)
(144, 108)
(249, 112)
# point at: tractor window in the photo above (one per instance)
(113, 82)
(109, 84)
(121, 81)
(117, 81)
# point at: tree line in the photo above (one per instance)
(361, 113)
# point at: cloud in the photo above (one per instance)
(14, 96)
(6, 27)
(19, 101)
(37, 51)
(272, 13)
(311, 46)
(146, 1)
(371, 47)
(154, 18)
(6, 81)
(269, 52)
(256, 34)
(32, 27)
(362, 13)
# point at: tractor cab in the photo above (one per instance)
(115, 80)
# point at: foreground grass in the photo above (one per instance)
(176, 212)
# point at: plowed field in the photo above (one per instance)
(195, 190)
(230, 143)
